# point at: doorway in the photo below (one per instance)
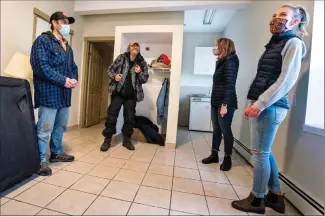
(98, 56)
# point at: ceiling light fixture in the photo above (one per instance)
(208, 16)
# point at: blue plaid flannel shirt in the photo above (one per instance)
(51, 65)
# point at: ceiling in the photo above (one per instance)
(193, 20)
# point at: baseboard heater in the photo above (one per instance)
(299, 198)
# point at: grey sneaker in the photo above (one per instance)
(44, 169)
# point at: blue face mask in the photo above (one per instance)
(65, 30)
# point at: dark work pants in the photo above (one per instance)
(222, 127)
(113, 111)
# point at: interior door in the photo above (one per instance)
(94, 86)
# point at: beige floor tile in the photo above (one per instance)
(214, 167)
(191, 164)
(114, 162)
(210, 176)
(63, 178)
(242, 191)
(122, 153)
(107, 206)
(241, 180)
(129, 176)
(59, 165)
(47, 212)
(268, 212)
(97, 151)
(136, 166)
(92, 158)
(86, 147)
(139, 210)
(90, 184)
(219, 190)
(40, 194)
(15, 208)
(4, 200)
(165, 154)
(80, 167)
(163, 161)
(146, 158)
(187, 173)
(239, 170)
(104, 172)
(161, 170)
(121, 190)
(72, 202)
(190, 203)
(249, 169)
(72, 143)
(174, 213)
(188, 186)
(158, 181)
(153, 197)
(18, 189)
(219, 206)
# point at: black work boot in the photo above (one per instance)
(106, 145)
(213, 158)
(61, 158)
(226, 164)
(44, 169)
(250, 204)
(276, 202)
(128, 144)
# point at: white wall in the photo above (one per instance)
(152, 88)
(190, 83)
(17, 30)
(300, 155)
(177, 34)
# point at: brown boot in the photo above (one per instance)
(275, 201)
(250, 204)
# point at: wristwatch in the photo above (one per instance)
(225, 105)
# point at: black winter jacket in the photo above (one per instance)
(224, 82)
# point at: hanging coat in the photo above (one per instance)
(162, 103)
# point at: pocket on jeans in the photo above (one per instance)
(280, 114)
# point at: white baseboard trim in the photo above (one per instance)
(296, 195)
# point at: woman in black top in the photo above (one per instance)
(223, 101)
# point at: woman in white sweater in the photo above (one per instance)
(278, 71)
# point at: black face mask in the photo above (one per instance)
(278, 25)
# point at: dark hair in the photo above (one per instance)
(302, 15)
(226, 47)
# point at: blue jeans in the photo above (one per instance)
(263, 131)
(51, 122)
(222, 127)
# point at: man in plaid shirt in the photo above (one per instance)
(55, 74)
(128, 72)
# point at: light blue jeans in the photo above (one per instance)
(51, 122)
(263, 130)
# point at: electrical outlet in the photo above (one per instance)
(294, 100)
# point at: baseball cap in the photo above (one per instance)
(59, 15)
(134, 42)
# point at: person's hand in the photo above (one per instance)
(223, 111)
(252, 111)
(246, 112)
(74, 83)
(137, 69)
(118, 77)
(68, 83)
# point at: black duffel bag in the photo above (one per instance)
(19, 154)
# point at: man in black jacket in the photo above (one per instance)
(128, 72)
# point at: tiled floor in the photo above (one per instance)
(149, 181)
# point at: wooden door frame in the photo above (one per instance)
(84, 74)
